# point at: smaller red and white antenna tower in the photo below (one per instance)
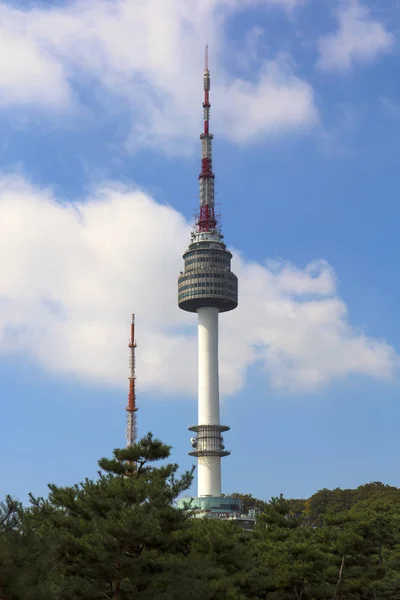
(131, 427)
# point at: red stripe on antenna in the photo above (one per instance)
(206, 220)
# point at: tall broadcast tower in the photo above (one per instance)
(131, 409)
(208, 287)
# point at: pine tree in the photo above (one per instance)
(120, 535)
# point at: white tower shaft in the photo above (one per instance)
(208, 384)
(209, 476)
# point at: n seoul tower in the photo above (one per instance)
(208, 287)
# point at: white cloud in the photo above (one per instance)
(28, 75)
(71, 274)
(359, 38)
(277, 102)
(147, 58)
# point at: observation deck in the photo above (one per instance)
(207, 280)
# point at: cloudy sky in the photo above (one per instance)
(100, 112)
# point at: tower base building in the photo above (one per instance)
(212, 507)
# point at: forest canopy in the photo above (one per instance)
(121, 537)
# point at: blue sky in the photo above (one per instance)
(100, 111)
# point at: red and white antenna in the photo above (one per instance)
(207, 220)
(131, 427)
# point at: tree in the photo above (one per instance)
(9, 521)
(120, 537)
(229, 552)
(117, 536)
(249, 501)
(26, 568)
(290, 562)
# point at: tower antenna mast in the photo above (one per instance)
(131, 425)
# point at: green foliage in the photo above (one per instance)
(249, 501)
(120, 537)
(229, 552)
(109, 538)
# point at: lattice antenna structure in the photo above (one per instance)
(207, 220)
(131, 426)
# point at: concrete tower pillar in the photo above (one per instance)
(209, 467)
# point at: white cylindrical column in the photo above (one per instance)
(209, 467)
(209, 476)
(208, 385)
